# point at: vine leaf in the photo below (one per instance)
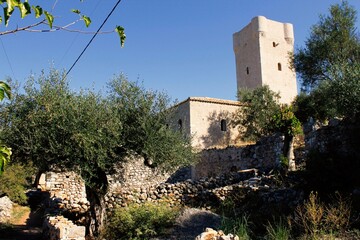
(7, 15)
(38, 11)
(121, 31)
(75, 11)
(25, 9)
(49, 18)
(86, 19)
(4, 90)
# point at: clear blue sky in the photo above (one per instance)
(183, 47)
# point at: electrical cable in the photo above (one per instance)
(113, 9)
(77, 35)
(7, 58)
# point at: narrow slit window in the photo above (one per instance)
(223, 125)
(274, 44)
(279, 66)
(247, 70)
(180, 125)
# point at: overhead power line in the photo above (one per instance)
(83, 51)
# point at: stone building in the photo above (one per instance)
(262, 58)
(207, 120)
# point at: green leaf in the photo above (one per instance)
(38, 11)
(7, 15)
(121, 31)
(75, 11)
(86, 19)
(5, 154)
(0, 19)
(4, 90)
(11, 4)
(49, 18)
(25, 9)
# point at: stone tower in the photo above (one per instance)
(262, 57)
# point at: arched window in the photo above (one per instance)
(223, 125)
(279, 66)
(180, 125)
(247, 70)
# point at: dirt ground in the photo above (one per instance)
(26, 227)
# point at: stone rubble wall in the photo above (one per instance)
(60, 228)
(264, 155)
(213, 191)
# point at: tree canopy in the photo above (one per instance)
(329, 67)
(88, 132)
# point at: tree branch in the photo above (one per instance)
(22, 28)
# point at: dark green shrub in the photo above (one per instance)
(140, 221)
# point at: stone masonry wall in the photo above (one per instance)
(67, 191)
(264, 155)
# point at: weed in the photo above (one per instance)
(318, 219)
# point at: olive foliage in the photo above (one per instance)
(55, 127)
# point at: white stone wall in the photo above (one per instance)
(260, 48)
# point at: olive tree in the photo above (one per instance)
(55, 127)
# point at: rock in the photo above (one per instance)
(6, 206)
(211, 234)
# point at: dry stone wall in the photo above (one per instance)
(67, 191)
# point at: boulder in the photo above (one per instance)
(6, 206)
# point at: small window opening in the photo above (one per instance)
(223, 125)
(180, 125)
(275, 44)
(279, 66)
(247, 70)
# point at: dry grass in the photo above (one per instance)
(19, 214)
